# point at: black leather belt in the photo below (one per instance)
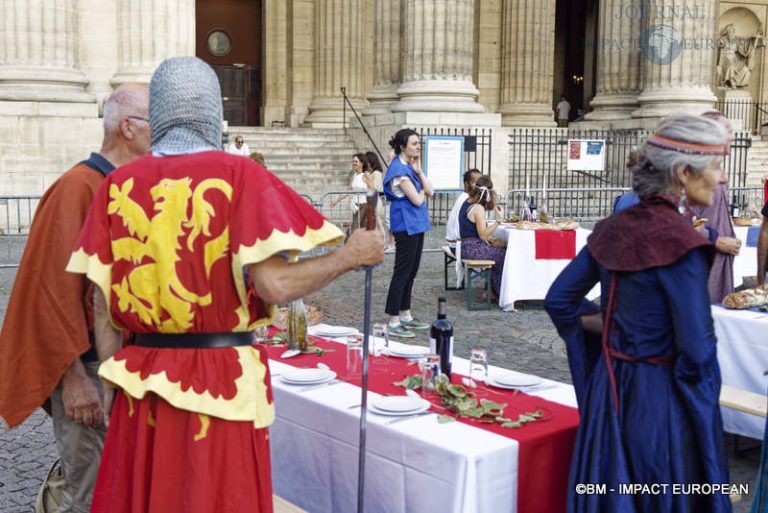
(193, 340)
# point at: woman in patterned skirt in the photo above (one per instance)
(475, 232)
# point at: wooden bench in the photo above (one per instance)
(478, 269)
(744, 401)
(449, 258)
(283, 506)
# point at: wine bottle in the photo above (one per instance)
(534, 212)
(735, 207)
(441, 338)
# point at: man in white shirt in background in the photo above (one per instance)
(563, 111)
(239, 147)
(452, 226)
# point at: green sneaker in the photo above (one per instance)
(400, 331)
(413, 324)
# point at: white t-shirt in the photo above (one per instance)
(452, 232)
(358, 185)
(243, 150)
(563, 109)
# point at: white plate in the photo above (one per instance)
(377, 411)
(307, 376)
(515, 380)
(398, 403)
(325, 330)
(408, 351)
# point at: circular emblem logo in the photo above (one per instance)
(661, 44)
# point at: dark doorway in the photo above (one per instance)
(229, 39)
(576, 25)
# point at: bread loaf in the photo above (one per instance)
(747, 298)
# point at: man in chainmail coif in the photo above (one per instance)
(191, 248)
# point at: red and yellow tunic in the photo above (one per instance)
(168, 240)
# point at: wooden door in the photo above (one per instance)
(229, 39)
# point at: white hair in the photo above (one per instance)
(126, 100)
(656, 168)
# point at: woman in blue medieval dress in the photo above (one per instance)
(648, 385)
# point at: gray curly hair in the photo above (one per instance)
(656, 169)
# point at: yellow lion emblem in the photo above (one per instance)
(154, 288)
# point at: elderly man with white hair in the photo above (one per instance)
(46, 344)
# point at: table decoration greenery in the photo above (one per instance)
(464, 403)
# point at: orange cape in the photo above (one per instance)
(48, 316)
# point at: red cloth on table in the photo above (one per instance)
(765, 193)
(545, 447)
(555, 244)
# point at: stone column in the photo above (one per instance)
(438, 43)
(386, 57)
(527, 63)
(620, 62)
(149, 31)
(339, 29)
(39, 55)
(680, 43)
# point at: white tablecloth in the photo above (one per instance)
(416, 465)
(745, 263)
(525, 277)
(742, 351)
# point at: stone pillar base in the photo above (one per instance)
(437, 96)
(36, 84)
(662, 103)
(49, 109)
(329, 112)
(527, 115)
(381, 99)
(608, 107)
(135, 75)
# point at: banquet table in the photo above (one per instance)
(413, 465)
(742, 352)
(525, 276)
(745, 263)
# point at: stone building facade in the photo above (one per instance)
(463, 63)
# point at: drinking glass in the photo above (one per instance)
(430, 372)
(478, 365)
(380, 331)
(354, 356)
(260, 333)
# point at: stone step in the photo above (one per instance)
(310, 160)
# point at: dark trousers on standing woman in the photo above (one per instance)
(408, 250)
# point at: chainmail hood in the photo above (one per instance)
(185, 111)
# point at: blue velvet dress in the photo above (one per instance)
(662, 425)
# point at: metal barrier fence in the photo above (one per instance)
(751, 114)
(585, 205)
(539, 158)
(16, 213)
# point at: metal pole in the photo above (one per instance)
(371, 198)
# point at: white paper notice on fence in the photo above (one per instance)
(444, 161)
(586, 155)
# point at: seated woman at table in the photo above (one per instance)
(475, 232)
(648, 390)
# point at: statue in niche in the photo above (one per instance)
(736, 56)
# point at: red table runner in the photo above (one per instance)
(555, 244)
(545, 446)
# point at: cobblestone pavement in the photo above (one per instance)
(524, 340)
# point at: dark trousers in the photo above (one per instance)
(407, 260)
